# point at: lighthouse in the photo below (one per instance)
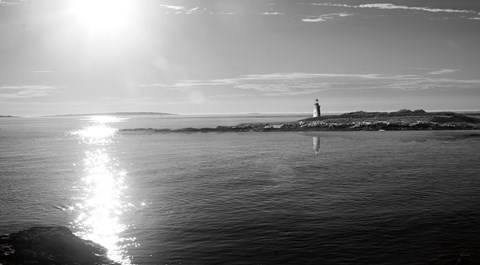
(316, 109)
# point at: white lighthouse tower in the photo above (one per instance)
(316, 109)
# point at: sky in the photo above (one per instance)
(238, 56)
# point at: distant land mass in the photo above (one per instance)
(119, 113)
(8, 116)
(401, 120)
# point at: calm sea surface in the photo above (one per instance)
(244, 198)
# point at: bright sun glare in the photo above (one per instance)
(102, 15)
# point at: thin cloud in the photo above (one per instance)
(191, 83)
(25, 91)
(181, 10)
(389, 6)
(319, 19)
(10, 2)
(282, 88)
(294, 76)
(176, 8)
(191, 11)
(274, 77)
(273, 13)
(425, 9)
(326, 17)
(443, 71)
(291, 84)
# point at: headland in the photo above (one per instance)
(401, 120)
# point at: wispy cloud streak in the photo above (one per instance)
(425, 9)
(192, 10)
(25, 91)
(273, 13)
(182, 10)
(284, 84)
(10, 2)
(326, 17)
(176, 8)
(389, 6)
(443, 71)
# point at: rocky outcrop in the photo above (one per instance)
(50, 245)
(400, 113)
(394, 121)
(353, 121)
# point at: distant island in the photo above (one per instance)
(8, 116)
(353, 121)
(119, 113)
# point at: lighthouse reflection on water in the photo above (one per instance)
(316, 139)
(316, 145)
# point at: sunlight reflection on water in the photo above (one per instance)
(102, 202)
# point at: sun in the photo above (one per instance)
(102, 15)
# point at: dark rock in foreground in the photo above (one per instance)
(50, 245)
(354, 121)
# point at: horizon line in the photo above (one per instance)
(153, 113)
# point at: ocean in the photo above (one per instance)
(395, 197)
